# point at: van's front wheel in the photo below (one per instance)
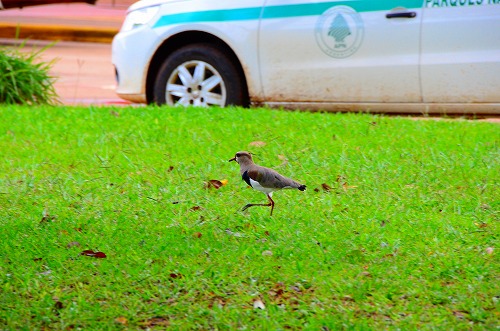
(199, 75)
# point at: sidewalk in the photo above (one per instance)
(66, 22)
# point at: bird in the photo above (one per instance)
(263, 179)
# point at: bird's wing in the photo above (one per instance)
(270, 178)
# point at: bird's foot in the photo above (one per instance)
(255, 204)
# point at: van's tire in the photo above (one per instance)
(199, 75)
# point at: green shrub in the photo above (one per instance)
(23, 79)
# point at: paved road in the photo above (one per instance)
(84, 72)
(68, 22)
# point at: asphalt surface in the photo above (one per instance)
(81, 55)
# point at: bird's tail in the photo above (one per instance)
(302, 187)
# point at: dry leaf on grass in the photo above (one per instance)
(121, 320)
(326, 187)
(91, 253)
(258, 304)
(175, 276)
(47, 218)
(283, 159)
(155, 321)
(257, 144)
(348, 187)
(342, 180)
(73, 244)
(267, 253)
(234, 234)
(214, 183)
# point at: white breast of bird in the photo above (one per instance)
(258, 187)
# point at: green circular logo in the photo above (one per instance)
(339, 31)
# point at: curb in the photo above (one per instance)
(57, 33)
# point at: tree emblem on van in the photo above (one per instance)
(339, 31)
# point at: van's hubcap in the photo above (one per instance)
(196, 83)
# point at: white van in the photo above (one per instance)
(403, 56)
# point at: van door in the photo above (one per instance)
(340, 51)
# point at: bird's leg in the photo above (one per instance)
(255, 204)
(271, 203)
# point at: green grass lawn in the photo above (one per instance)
(398, 227)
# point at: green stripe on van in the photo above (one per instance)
(315, 9)
(282, 11)
(239, 14)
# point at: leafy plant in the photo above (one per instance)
(23, 79)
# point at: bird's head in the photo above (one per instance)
(242, 157)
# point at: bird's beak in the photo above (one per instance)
(233, 159)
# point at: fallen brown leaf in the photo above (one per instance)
(47, 218)
(73, 244)
(347, 298)
(215, 183)
(258, 304)
(234, 234)
(346, 187)
(284, 160)
(58, 305)
(257, 144)
(326, 187)
(459, 314)
(91, 253)
(155, 321)
(267, 253)
(121, 320)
